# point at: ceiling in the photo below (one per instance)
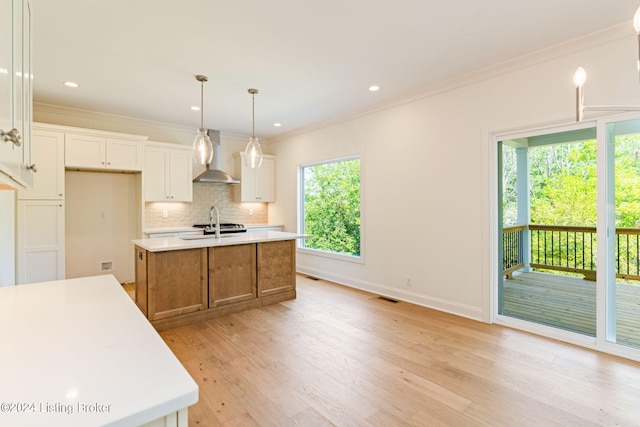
(311, 60)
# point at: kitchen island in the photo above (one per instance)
(194, 278)
(78, 352)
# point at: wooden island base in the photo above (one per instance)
(178, 287)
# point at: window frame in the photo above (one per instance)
(359, 259)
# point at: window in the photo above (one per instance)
(330, 207)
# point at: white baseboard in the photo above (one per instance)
(457, 309)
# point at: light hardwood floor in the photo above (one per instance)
(338, 356)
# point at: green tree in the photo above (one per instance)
(509, 186)
(563, 184)
(332, 206)
(627, 178)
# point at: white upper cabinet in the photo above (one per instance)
(256, 185)
(16, 78)
(6, 75)
(48, 159)
(98, 152)
(168, 173)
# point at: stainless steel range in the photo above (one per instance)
(225, 228)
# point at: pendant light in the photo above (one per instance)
(253, 152)
(202, 146)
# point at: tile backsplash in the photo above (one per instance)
(197, 212)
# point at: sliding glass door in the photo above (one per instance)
(568, 243)
(621, 192)
(548, 237)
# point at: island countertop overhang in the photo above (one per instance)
(80, 342)
(177, 243)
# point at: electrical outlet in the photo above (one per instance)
(250, 212)
(409, 281)
(165, 213)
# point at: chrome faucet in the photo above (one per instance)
(213, 208)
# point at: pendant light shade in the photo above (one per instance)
(202, 146)
(253, 151)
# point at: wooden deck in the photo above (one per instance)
(570, 303)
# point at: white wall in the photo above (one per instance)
(100, 222)
(428, 168)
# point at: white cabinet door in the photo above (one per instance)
(256, 185)
(6, 74)
(40, 241)
(176, 419)
(48, 157)
(265, 181)
(84, 151)
(168, 175)
(123, 155)
(7, 238)
(97, 152)
(16, 90)
(181, 176)
(156, 163)
(247, 187)
(24, 88)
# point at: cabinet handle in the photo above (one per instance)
(108, 163)
(12, 136)
(33, 168)
(102, 163)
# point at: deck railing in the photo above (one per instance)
(564, 248)
(570, 249)
(512, 249)
(628, 253)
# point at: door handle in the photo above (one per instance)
(13, 135)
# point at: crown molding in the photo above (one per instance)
(583, 43)
(87, 131)
(105, 117)
(118, 121)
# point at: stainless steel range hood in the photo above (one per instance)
(213, 172)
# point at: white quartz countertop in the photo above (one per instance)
(191, 242)
(78, 352)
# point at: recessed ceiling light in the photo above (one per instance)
(71, 84)
(195, 108)
(374, 88)
(277, 124)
